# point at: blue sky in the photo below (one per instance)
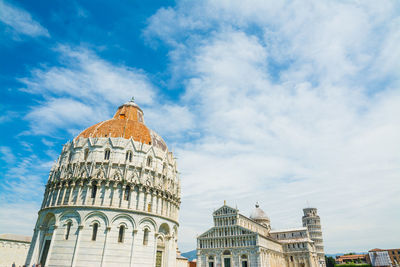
(281, 102)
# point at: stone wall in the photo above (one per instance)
(12, 251)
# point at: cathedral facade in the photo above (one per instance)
(112, 199)
(238, 241)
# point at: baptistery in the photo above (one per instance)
(112, 199)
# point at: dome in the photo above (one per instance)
(258, 214)
(127, 123)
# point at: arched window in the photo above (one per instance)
(94, 191)
(68, 230)
(149, 161)
(211, 261)
(244, 261)
(121, 234)
(146, 237)
(70, 156)
(128, 156)
(107, 154)
(127, 192)
(86, 154)
(164, 167)
(94, 231)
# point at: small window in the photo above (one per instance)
(146, 237)
(94, 191)
(69, 224)
(86, 154)
(244, 261)
(107, 154)
(128, 156)
(127, 192)
(70, 156)
(211, 261)
(149, 161)
(121, 234)
(291, 258)
(94, 232)
(164, 167)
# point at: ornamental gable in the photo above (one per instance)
(225, 210)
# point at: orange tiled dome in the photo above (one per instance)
(127, 123)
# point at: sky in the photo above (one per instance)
(288, 103)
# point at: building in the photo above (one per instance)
(357, 258)
(181, 261)
(378, 256)
(236, 240)
(112, 199)
(13, 249)
(312, 221)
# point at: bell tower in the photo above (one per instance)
(312, 221)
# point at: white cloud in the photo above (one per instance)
(20, 20)
(6, 154)
(83, 90)
(293, 102)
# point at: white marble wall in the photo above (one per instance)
(81, 250)
(13, 252)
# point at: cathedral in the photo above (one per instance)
(112, 199)
(239, 241)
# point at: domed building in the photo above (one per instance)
(237, 240)
(112, 199)
(259, 216)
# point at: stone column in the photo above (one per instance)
(134, 232)
(113, 192)
(76, 248)
(155, 249)
(130, 197)
(64, 193)
(79, 193)
(46, 192)
(57, 193)
(34, 249)
(121, 194)
(108, 228)
(71, 193)
(52, 241)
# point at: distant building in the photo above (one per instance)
(360, 258)
(383, 256)
(238, 241)
(181, 261)
(13, 249)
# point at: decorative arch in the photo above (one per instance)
(164, 229)
(122, 217)
(96, 215)
(148, 221)
(49, 219)
(69, 215)
(175, 231)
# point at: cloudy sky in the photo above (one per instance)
(289, 103)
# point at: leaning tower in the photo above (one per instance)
(312, 221)
(112, 199)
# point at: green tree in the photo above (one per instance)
(330, 262)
